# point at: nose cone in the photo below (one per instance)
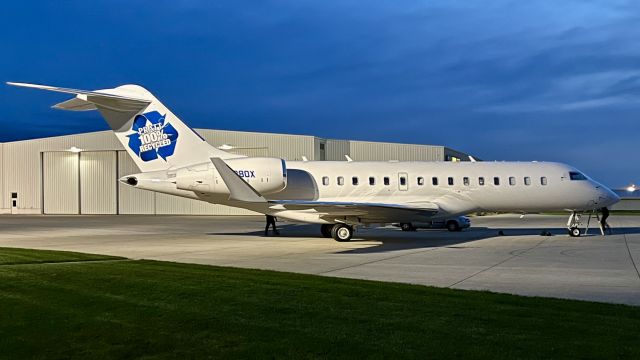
(608, 197)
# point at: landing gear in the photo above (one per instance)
(453, 226)
(573, 224)
(407, 227)
(325, 229)
(341, 232)
(574, 232)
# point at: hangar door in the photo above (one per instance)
(60, 182)
(98, 183)
(79, 183)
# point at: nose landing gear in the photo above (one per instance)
(573, 225)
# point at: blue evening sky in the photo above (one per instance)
(503, 80)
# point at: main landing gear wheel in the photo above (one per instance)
(341, 232)
(574, 232)
(453, 226)
(325, 229)
(407, 227)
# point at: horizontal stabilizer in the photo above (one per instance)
(75, 104)
(238, 188)
(111, 99)
(154, 137)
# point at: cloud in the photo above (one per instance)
(499, 78)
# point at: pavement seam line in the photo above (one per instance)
(375, 261)
(497, 264)
(631, 256)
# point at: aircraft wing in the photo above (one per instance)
(365, 211)
(242, 192)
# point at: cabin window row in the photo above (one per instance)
(434, 180)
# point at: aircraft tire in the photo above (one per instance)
(325, 229)
(574, 232)
(407, 227)
(453, 226)
(341, 232)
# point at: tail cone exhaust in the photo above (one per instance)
(132, 180)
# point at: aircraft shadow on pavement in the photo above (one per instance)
(458, 240)
(393, 239)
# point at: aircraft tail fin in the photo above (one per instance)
(153, 136)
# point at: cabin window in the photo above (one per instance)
(325, 180)
(372, 180)
(354, 180)
(340, 180)
(434, 181)
(527, 180)
(420, 181)
(496, 180)
(465, 181)
(574, 175)
(403, 181)
(512, 180)
(543, 180)
(386, 180)
(481, 181)
(450, 180)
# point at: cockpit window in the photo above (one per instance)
(574, 175)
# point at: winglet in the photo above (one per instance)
(239, 189)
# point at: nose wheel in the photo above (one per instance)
(574, 232)
(573, 224)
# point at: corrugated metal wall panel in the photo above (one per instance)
(371, 151)
(22, 174)
(288, 147)
(22, 162)
(172, 205)
(337, 149)
(61, 190)
(98, 184)
(130, 199)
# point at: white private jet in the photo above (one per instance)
(338, 195)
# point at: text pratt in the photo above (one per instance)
(153, 137)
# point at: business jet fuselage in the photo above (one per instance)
(340, 195)
(440, 189)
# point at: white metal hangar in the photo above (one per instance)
(77, 174)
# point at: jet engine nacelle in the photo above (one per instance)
(266, 175)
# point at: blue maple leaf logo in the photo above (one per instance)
(152, 137)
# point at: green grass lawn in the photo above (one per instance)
(149, 309)
(12, 256)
